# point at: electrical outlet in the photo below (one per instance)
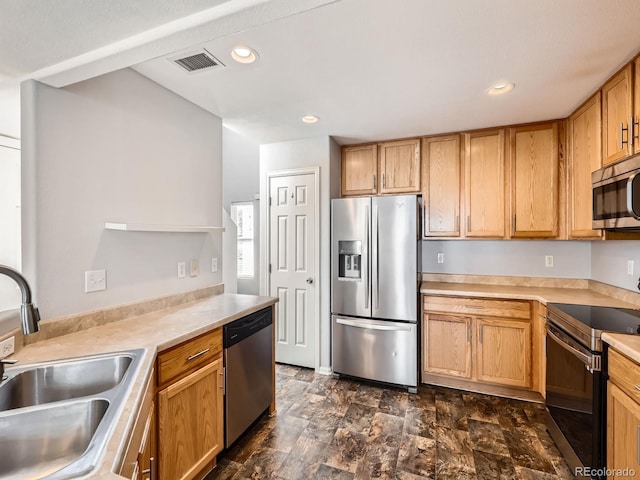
(440, 257)
(214, 264)
(182, 269)
(629, 267)
(95, 281)
(548, 261)
(7, 347)
(195, 268)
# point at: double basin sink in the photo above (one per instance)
(56, 417)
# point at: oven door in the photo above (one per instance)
(574, 399)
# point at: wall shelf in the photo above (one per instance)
(145, 227)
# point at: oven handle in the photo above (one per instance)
(586, 359)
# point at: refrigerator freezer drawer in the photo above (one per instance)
(376, 350)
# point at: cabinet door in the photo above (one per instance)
(400, 167)
(623, 431)
(190, 417)
(636, 105)
(441, 186)
(504, 351)
(147, 463)
(360, 170)
(534, 180)
(616, 113)
(484, 184)
(446, 344)
(585, 156)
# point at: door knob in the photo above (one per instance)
(309, 280)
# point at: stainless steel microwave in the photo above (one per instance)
(616, 195)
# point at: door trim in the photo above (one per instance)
(265, 246)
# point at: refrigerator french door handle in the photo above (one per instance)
(374, 326)
(375, 269)
(364, 266)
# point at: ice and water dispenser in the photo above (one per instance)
(350, 259)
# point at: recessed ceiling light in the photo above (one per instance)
(242, 54)
(500, 88)
(310, 119)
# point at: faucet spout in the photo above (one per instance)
(29, 314)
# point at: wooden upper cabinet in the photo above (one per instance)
(636, 105)
(400, 167)
(360, 170)
(617, 104)
(534, 180)
(441, 186)
(484, 184)
(585, 156)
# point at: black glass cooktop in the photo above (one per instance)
(610, 319)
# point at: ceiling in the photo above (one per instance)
(370, 69)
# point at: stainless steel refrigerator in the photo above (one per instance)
(374, 288)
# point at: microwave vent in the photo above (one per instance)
(198, 61)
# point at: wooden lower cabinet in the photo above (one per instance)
(483, 340)
(623, 431)
(504, 351)
(139, 461)
(190, 421)
(623, 414)
(190, 406)
(450, 357)
(147, 456)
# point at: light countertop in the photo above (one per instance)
(544, 295)
(153, 332)
(626, 344)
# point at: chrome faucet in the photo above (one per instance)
(29, 314)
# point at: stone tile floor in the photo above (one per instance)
(327, 428)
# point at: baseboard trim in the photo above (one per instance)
(324, 370)
(486, 389)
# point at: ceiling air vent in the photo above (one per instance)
(198, 61)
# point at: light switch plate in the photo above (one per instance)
(182, 269)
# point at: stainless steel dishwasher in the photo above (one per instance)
(248, 358)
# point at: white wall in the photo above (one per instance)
(322, 152)
(571, 259)
(9, 220)
(241, 168)
(609, 263)
(116, 148)
(241, 183)
(229, 254)
(10, 108)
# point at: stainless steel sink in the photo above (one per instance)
(35, 385)
(57, 417)
(43, 441)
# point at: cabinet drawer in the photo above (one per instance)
(478, 306)
(625, 374)
(183, 359)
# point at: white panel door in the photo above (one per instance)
(293, 280)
